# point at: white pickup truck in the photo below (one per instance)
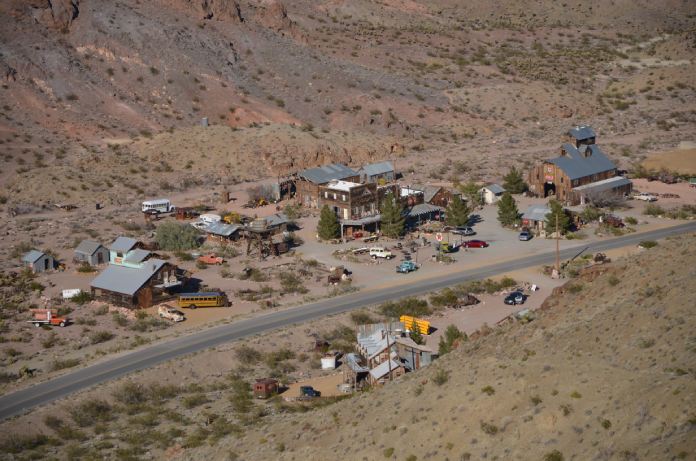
(645, 196)
(379, 252)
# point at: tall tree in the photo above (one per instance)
(563, 218)
(392, 216)
(513, 182)
(451, 339)
(328, 227)
(470, 191)
(508, 214)
(457, 212)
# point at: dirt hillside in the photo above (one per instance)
(605, 372)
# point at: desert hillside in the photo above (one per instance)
(605, 372)
(91, 88)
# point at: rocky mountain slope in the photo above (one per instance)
(605, 372)
(441, 78)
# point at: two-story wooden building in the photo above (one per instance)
(581, 171)
(309, 181)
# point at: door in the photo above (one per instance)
(100, 257)
(45, 264)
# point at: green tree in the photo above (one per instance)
(416, 336)
(328, 227)
(513, 182)
(470, 191)
(392, 216)
(451, 339)
(563, 218)
(508, 214)
(173, 236)
(457, 212)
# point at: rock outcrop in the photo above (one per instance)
(57, 14)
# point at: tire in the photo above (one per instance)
(161, 316)
(192, 306)
(374, 257)
(37, 324)
(62, 324)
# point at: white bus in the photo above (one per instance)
(161, 205)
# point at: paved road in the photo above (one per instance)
(48, 391)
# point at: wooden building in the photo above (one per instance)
(133, 287)
(38, 261)
(92, 253)
(581, 171)
(308, 182)
(265, 388)
(380, 173)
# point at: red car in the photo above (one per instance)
(474, 244)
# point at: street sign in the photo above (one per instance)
(438, 237)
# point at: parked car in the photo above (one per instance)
(406, 266)
(168, 312)
(380, 252)
(525, 235)
(463, 230)
(516, 297)
(211, 259)
(645, 196)
(474, 244)
(309, 392)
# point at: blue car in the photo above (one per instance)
(525, 236)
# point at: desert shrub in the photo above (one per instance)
(606, 424)
(408, 306)
(488, 428)
(446, 297)
(192, 401)
(613, 280)
(63, 364)
(535, 399)
(554, 455)
(90, 412)
(648, 244)
(451, 339)
(120, 319)
(291, 283)
(566, 409)
(388, 452)
(247, 355)
(361, 318)
(489, 286)
(131, 394)
(441, 376)
(292, 211)
(575, 395)
(183, 256)
(101, 337)
(7, 377)
(83, 297)
(488, 390)
(19, 443)
(172, 236)
(630, 220)
(273, 359)
(240, 396)
(147, 323)
(652, 209)
(86, 268)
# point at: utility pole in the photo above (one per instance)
(558, 252)
(388, 330)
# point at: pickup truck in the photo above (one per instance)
(406, 266)
(645, 197)
(48, 317)
(379, 252)
(168, 312)
(211, 259)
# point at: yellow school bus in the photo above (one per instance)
(205, 299)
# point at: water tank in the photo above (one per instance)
(328, 362)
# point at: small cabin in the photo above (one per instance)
(265, 388)
(38, 261)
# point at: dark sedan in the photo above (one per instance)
(516, 297)
(474, 244)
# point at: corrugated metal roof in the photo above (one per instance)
(408, 342)
(123, 244)
(276, 220)
(202, 293)
(576, 165)
(582, 132)
(605, 184)
(32, 256)
(374, 169)
(383, 369)
(326, 173)
(221, 228)
(429, 192)
(88, 247)
(137, 256)
(126, 280)
(495, 188)
(536, 213)
(423, 208)
(353, 361)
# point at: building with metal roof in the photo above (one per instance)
(325, 173)
(222, 230)
(38, 261)
(581, 163)
(377, 172)
(491, 193)
(136, 286)
(123, 244)
(91, 252)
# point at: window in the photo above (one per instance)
(326, 194)
(334, 195)
(343, 197)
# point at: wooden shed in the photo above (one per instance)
(92, 253)
(38, 261)
(265, 388)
